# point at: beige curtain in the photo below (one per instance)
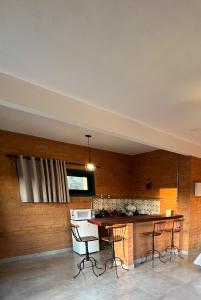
(42, 180)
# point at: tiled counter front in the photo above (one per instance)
(151, 207)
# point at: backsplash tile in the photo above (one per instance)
(147, 206)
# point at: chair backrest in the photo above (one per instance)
(159, 227)
(75, 232)
(178, 224)
(116, 232)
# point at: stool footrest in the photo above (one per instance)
(152, 254)
(173, 251)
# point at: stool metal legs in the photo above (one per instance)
(172, 249)
(87, 258)
(113, 261)
(153, 252)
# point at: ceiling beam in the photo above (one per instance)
(24, 96)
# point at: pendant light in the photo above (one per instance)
(89, 166)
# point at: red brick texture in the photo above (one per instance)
(31, 228)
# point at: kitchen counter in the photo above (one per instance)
(134, 219)
(135, 245)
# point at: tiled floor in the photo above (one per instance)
(50, 278)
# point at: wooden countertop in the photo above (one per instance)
(135, 219)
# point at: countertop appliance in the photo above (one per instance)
(80, 217)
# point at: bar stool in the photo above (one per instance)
(158, 229)
(86, 240)
(177, 226)
(115, 234)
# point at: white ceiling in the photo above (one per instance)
(23, 122)
(140, 59)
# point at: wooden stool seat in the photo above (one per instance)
(88, 238)
(175, 230)
(151, 233)
(112, 239)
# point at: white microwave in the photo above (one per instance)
(81, 214)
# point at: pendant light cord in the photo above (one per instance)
(89, 149)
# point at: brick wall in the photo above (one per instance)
(30, 228)
(183, 205)
(161, 168)
(195, 207)
(189, 205)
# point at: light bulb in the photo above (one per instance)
(90, 167)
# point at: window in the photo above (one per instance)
(81, 183)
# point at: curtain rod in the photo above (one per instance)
(37, 158)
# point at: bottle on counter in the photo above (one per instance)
(136, 213)
(103, 213)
